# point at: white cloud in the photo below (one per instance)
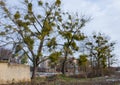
(105, 13)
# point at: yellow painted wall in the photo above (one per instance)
(14, 73)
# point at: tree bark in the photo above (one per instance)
(63, 65)
(34, 70)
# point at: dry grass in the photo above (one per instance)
(62, 80)
(68, 83)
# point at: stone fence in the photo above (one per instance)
(13, 73)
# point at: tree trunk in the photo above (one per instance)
(74, 69)
(63, 65)
(34, 70)
(98, 69)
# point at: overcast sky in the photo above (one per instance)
(105, 14)
(105, 17)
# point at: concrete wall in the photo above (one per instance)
(14, 73)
